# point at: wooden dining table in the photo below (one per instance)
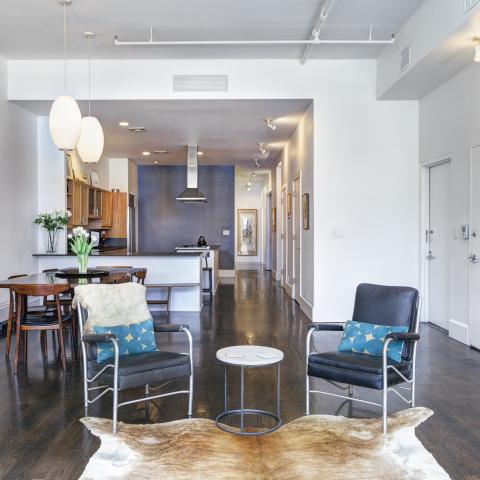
(51, 278)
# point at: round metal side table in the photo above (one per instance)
(249, 356)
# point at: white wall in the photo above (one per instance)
(51, 186)
(102, 167)
(18, 189)
(365, 174)
(254, 199)
(297, 160)
(449, 126)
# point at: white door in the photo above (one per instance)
(437, 237)
(268, 233)
(283, 237)
(474, 294)
(297, 220)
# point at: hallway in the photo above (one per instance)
(42, 438)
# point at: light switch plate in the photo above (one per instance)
(226, 233)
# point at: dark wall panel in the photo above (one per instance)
(164, 223)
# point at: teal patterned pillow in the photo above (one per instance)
(369, 338)
(132, 339)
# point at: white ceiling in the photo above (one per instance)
(227, 131)
(33, 28)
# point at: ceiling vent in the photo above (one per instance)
(405, 58)
(136, 129)
(469, 4)
(200, 83)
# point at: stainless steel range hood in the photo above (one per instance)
(192, 194)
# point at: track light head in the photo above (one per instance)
(270, 124)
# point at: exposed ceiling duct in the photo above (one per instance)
(192, 194)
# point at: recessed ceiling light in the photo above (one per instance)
(123, 124)
(200, 153)
(155, 162)
(145, 154)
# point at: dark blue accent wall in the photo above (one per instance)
(164, 223)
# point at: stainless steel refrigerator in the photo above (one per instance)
(132, 224)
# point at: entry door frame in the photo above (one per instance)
(284, 236)
(470, 247)
(297, 207)
(424, 225)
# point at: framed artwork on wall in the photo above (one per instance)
(289, 205)
(94, 179)
(247, 232)
(306, 210)
(274, 219)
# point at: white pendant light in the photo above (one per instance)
(90, 145)
(65, 117)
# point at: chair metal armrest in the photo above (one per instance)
(326, 327)
(407, 337)
(165, 328)
(98, 337)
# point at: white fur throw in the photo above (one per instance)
(109, 305)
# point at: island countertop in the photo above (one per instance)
(122, 252)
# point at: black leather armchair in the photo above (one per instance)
(377, 304)
(133, 371)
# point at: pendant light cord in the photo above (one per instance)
(65, 42)
(89, 73)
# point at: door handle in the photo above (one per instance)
(473, 258)
(430, 256)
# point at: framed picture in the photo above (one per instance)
(247, 232)
(274, 219)
(70, 172)
(306, 210)
(289, 205)
(94, 180)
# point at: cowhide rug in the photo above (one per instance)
(315, 447)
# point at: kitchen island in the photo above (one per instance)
(162, 268)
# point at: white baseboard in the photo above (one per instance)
(458, 331)
(226, 273)
(288, 289)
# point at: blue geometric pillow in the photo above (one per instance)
(132, 339)
(369, 338)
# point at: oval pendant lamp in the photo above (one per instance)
(90, 145)
(65, 119)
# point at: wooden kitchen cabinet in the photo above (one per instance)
(79, 204)
(94, 203)
(107, 209)
(119, 215)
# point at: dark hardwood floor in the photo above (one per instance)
(41, 437)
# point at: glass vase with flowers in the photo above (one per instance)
(81, 246)
(52, 222)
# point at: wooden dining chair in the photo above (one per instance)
(12, 312)
(65, 299)
(26, 322)
(114, 278)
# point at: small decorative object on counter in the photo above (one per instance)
(201, 241)
(52, 222)
(81, 247)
